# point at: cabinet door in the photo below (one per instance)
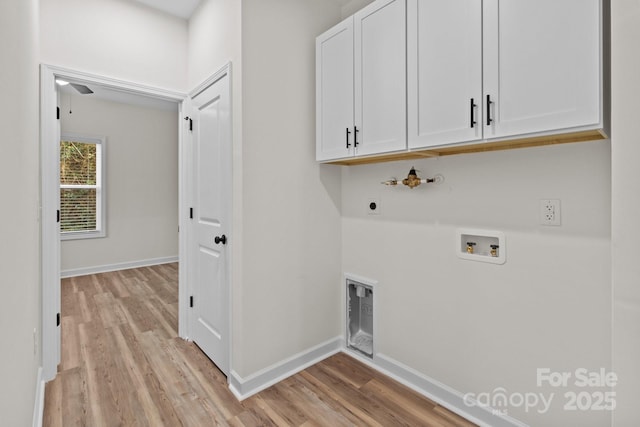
(380, 77)
(444, 49)
(541, 65)
(334, 92)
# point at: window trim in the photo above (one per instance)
(101, 194)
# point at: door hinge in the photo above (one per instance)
(58, 113)
(191, 213)
(191, 301)
(58, 319)
(190, 120)
(58, 215)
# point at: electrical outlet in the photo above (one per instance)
(373, 206)
(550, 212)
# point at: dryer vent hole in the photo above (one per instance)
(360, 317)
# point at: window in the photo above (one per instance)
(81, 187)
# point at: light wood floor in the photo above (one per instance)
(123, 365)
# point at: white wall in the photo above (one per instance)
(291, 206)
(141, 181)
(115, 38)
(220, 22)
(626, 208)
(214, 39)
(476, 326)
(19, 225)
(353, 6)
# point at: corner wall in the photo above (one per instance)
(20, 317)
(291, 247)
(141, 182)
(625, 233)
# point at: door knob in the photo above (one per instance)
(220, 239)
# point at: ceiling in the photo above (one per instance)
(180, 8)
(185, 8)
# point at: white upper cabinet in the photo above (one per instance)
(361, 83)
(542, 66)
(334, 92)
(531, 67)
(445, 71)
(380, 77)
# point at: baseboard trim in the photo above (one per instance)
(115, 267)
(243, 388)
(440, 393)
(38, 406)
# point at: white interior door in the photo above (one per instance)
(211, 130)
(50, 199)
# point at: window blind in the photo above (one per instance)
(78, 186)
(77, 209)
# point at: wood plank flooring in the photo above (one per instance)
(123, 365)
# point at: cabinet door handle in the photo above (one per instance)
(347, 136)
(473, 113)
(489, 102)
(355, 136)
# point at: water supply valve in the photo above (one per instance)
(494, 250)
(413, 180)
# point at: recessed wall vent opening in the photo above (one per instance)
(360, 317)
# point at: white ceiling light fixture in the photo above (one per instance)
(180, 8)
(84, 90)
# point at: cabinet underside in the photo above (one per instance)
(584, 136)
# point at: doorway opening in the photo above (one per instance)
(56, 102)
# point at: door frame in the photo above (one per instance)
(49, 201)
